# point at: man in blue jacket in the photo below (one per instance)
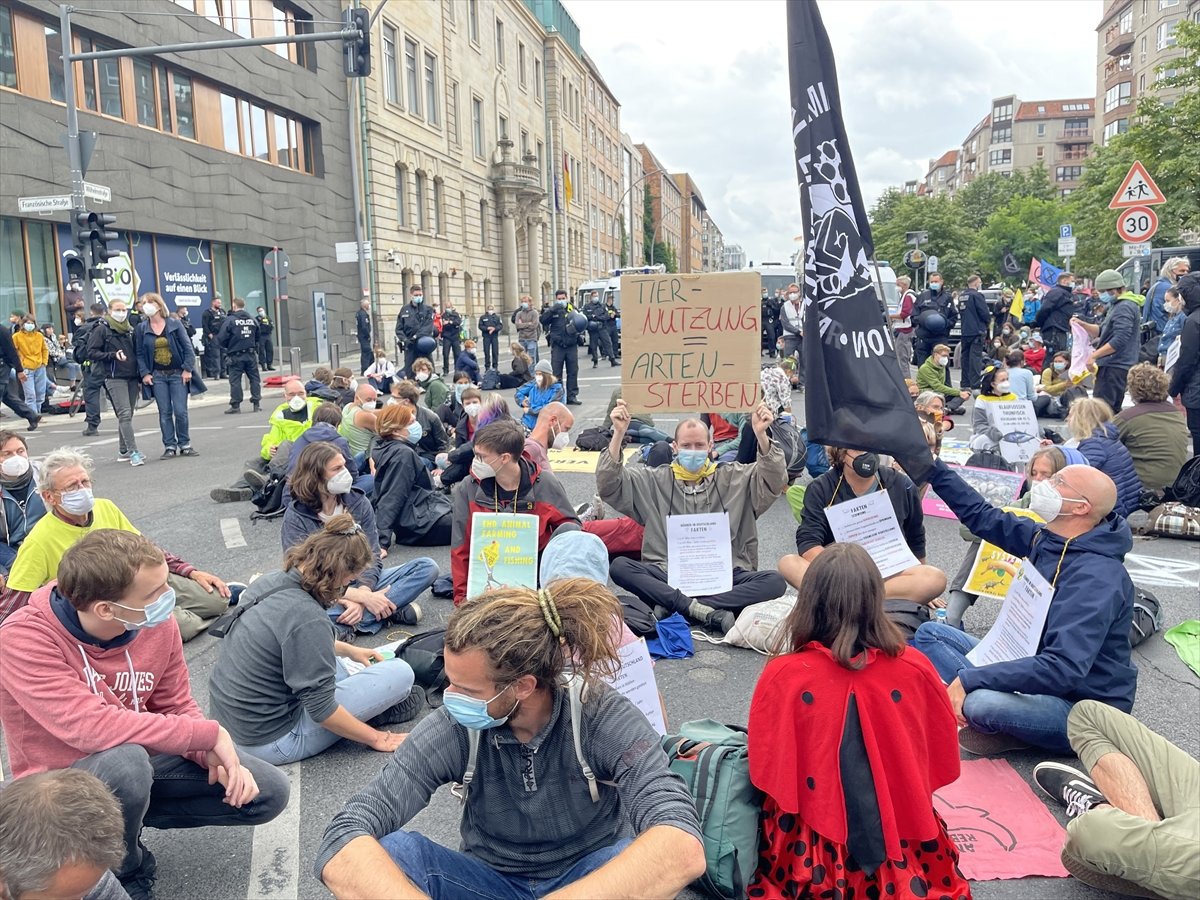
(1084, 649)
(976, 317)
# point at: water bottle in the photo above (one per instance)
(940, 617)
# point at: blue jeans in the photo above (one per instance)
(364, 695)
(531, 347)
(402, 584)
(1037, 719)
(444, 873)
(171, 395)
(35, 387)
(641, 433)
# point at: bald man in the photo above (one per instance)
(1083, 653)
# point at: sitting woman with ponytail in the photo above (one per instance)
(538, 815)
(322, 486)
(850, 734)
(280, 685)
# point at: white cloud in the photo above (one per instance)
(705, 85)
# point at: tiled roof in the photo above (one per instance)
(1053, 109)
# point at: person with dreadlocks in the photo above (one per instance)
(556, 771)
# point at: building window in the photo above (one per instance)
(539, 161)
(431, 91)
(185, 121)
(500, 43)
(258, 131)
(521, 63)
(454, 132)
(244, 130)
(229, 124)
(537, 79)
(1002, 112)
(437, 206)
(1117, 95)
(1126, 21)
(420, 198)
(1002, 134)
(143, 91)
(483, 224)
(401, 196)
(1040, 153)
(1084, 107)
(1166, 34)
(1068, 173)
(503, 122)
(1000, 158)
(8, 56)
(1114, 128)
(473, 20)
(1041, 129)
(411, 77)
(1076, 127)
(391, 74)
(1167, 4)
(54, 62)
(524, 143)
(477, 126)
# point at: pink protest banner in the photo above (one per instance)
(1000, 828)
(998, 487)
(1081, 349)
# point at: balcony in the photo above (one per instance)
(1118, 40)
(1072, 156)
(1118, 66)
(1074, 136)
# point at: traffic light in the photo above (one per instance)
(77, 266)
(81, 231)
(99, 236)
(356, 53)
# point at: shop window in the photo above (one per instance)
(249, 279)
(14, 291)
(43, 277)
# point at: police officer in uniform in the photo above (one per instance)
(415, 320)
(564, 344)
(214, 356)
(266, 346)
(238, 340)
(611, 314)
(599, 343)
(489, 332)
(451, 336)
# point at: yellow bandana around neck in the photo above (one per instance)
(684, 475)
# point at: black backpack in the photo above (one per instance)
(425, 653)
(268, 499)
(79, 341)
(1147, 616)
(595, 438)
(907, 615)
(1186, 487)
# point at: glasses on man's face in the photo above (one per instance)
(1058, 481)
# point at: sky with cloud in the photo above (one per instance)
(705, 85)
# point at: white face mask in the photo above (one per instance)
(340, 483)
(149, 309)
(471, 409)
(1001, 387)
(28, 326)
(295, 404)
(943, 360)
(562, 440)
(14, 466)
(482, 470)
(793, 296)
(119, 315)
(1045, 501)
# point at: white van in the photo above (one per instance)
(611, 286)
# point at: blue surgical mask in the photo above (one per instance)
(472, 713)
(561, 301)
(458, 391)
(418, 299)
(935, 287)
(692, 460)
(415, 432)
(156, 613)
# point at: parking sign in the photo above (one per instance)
(1064, 231)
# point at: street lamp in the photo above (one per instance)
(624, 196)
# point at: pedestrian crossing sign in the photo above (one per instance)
(1137, 189)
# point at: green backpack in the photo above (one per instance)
(713, 760)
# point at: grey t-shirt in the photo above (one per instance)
(275, 663)
(528, 812)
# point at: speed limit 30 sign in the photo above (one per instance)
(1137, 224)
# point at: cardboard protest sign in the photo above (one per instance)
(581, 462)
(1017, 423)
(690, 343)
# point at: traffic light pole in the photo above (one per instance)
(74, 150)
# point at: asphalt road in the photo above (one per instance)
(168, 500)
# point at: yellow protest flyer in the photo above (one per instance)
(994, 570)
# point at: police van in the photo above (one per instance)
(611, 287)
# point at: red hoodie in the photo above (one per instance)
(62, 699)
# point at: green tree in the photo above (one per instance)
(992, 191)
(1166, 138)
(895, 214)
(1028, 226)
(647, 224)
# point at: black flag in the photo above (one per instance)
(1009, 265)
(854, 393)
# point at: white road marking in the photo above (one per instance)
(231, 531)
(275, 853)
(1162, 572)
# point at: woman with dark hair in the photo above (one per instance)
(522, 368)
(280, 686)
(406, 505)
(850, 734)
(322, 487)
(1057, 391)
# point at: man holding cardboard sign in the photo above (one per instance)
(687, 499)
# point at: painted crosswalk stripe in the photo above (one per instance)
(231, 531)
(275, 852)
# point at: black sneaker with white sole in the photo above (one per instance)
(1068, 787)
(404, 711)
